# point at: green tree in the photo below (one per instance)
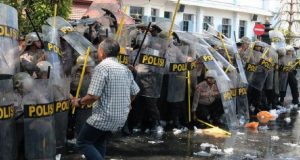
(39, 10)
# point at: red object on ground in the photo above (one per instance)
(259, 29)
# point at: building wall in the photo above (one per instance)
(199, 12)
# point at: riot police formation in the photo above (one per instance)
(206, 75)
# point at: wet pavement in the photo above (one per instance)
(278, 140)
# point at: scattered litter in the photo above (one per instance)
(72, 141)
(273, 112)
(253, 140)
(293, 106)
(228, 151)
(207, 145)
(291, 144)
(58, 157)
(240, 133)
(287, 119)
(251, 125)
(155, 142)
(136, 130)
(202, 153)
(147, 130)
(264, 117)
(274, 138)
(177, 131)
(197, 131)
(250, 156)
(263, 127)
(215, 132)
(281, 110)
(215, 151)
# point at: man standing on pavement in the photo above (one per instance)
(111, 91)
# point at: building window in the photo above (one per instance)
(226, 27)
(168, 15)
(187, 24)
(242, 28)
(207, 20)
(187, 17)
(136, 12)
(154, 14)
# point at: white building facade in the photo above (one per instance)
(227, 16)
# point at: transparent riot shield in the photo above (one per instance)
(177, 67)
(75, 39)
(61, 93)
(150, 66)
(124, 42)
(285, 66)
(7, 122)
(223, 83)
(9, 50)
(39, 124)
(261, 65)
(272, 82)
(82, 112)
(53, 50)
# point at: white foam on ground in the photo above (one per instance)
(228, 151)
(275, 138)
(291, 144)
(202, 153)
(240, 133)
(155, 142)
(287, 119)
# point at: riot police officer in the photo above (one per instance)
(291, 77)
(32, 54)
(82, 112)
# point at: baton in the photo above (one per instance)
(189, 94)
(141, 45)
(81, 77)
(120, 27)
(173, 19)
(35, 30)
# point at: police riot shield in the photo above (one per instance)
(83, 112)
(150, 66)
(61, 93)
(74, 38)
(125, 48)
(177, 67)
(53, 50)
(271, 81)
(223, 83)
(7, 122)
(261, 65)
(39, 125)
(9, 50)
(285, 66)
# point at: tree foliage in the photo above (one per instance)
(39, 11)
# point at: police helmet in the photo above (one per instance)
(80, 61)
(22, 81)
(245, 40)
(289, 48)
(211, 74)
(139, 40)
(43, 66)
(31, 37)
